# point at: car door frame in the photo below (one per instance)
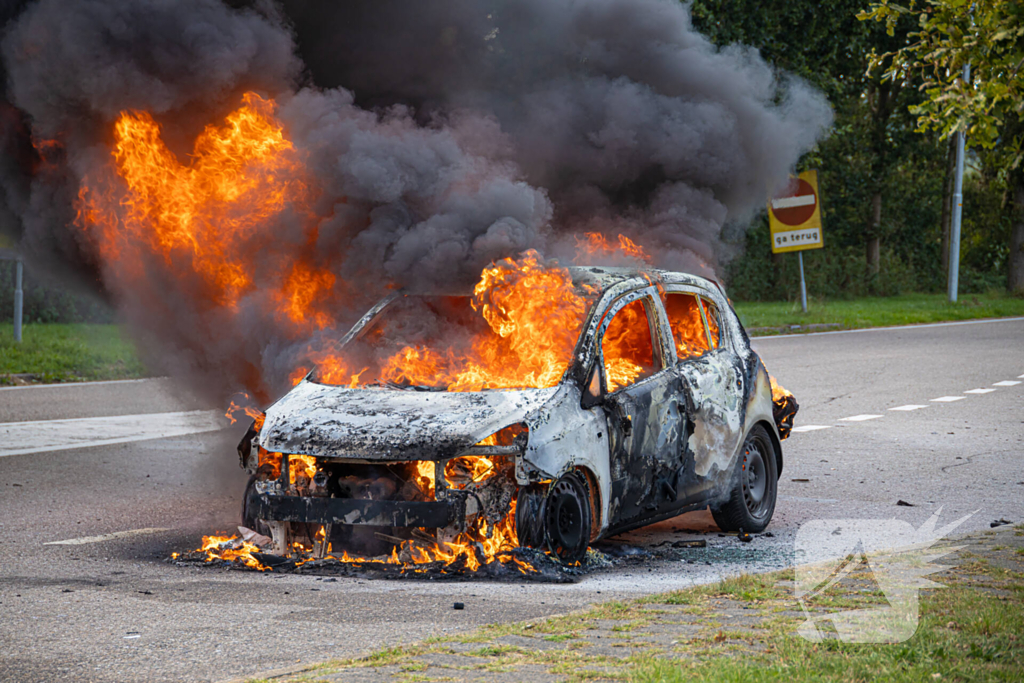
(639, 487)
(707, 380)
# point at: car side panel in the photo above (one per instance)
(564, 436)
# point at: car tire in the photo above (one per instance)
(567, 518)
(755, 484)
(249, 520)
(530, 515)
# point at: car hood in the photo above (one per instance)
(391, 424)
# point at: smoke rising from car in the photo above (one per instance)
(433, 138)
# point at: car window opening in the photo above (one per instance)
(688, 331)
(627, 348)
(511, 338)
(711, 313)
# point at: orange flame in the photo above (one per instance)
(204, 215)
(533, 313)
(232, 549)
(595, 245)
(779, 392)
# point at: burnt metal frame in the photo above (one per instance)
(398, 513)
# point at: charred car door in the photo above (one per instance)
(640, 395)
(712, 377)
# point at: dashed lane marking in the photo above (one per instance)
(809, 428)
(948, 399)
(980, 391)
(860, 418)
(109, 537)
(1006, 383)
(908, 407)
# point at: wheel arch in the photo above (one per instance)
(594, 491)
(776, 442)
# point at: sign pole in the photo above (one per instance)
(18, 297)
(803, 283)
(958, 200)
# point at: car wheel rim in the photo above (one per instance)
(755, 479)
(564, 518)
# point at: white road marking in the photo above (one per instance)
(791, 202)
(79, 384)
(922, 326)
(22, 438)
(909, 406)
(948, 399)
(980, 391)
(809, 428)
(1006, 383)
(859, 418)
(109, 537)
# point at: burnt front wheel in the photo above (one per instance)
(752, 499)
(567, 518)
(249, 519)
(530, 515)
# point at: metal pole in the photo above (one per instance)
(958, 197)
(17, 300)
(803, 284)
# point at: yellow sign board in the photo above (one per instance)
(794, 216)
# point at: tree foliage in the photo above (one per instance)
(989, 37)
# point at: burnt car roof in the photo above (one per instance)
(606, 277)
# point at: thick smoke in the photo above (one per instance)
(440, 136)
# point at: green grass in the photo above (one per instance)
(61, 353)
(876, 312)
(964, 635)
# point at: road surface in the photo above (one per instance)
(84, 529)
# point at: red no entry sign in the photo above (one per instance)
(795, 215)
(797, 205)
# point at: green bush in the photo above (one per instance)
(47, 303)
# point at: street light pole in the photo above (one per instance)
(18, 298)
(958, 197)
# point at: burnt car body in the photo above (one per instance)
(576, 462)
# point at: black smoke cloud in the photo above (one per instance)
(442, 135)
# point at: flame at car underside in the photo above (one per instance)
(202, 216)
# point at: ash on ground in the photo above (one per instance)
(522, 564)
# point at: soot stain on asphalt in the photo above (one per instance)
(603, 556)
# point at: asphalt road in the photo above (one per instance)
(112, 610)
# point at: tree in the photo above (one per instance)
(988, 107)
(824, 43)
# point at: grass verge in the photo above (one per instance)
(774, 317)
(64, 353)
(742, 629)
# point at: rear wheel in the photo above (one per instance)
(752, 499)
(567, 518)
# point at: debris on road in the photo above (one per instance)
(459, 605)
(1000, 522)
(905, 504)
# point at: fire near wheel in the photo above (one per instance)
(752, 500)
(567, 518)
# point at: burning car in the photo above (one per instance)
(548, 408)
